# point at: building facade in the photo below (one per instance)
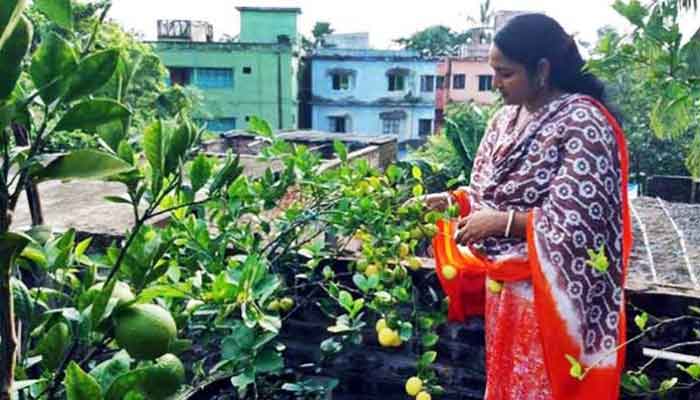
(254, 76)
(372, 92)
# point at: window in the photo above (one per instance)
(485, 83)
(439, 82)
(337, 124)
(214, 78)
(427, 83)
(459, 81)
(425, 127)
(247, 70)
(341, 81)
(396, 83)
(220, 124)
(180, 76)
(391, 125)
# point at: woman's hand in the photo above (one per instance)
(480, 225)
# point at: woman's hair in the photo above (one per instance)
(528, 38)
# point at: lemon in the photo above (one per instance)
(274, 305)
(404, 249)
(494, 286)
(121, 291)
(286, 304)
(430, 230)
(423, 396)
(414, 385)
(414, 263)
(372, 269)
(396, 339)
(164, 378)
(387, 337)
(145, 331)
(381, 324)
(449, 272)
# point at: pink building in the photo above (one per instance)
(463, 79)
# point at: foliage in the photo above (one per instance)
(656, 67)
(435, 41)
(318, 37)
(449, 156)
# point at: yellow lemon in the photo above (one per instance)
(449, 272)
(386, 337)
(286, 304)
(414, 385)
(372, 269)
(396, 339)
(381, 324)
(494, 286)
(404, 249)
(423, 396)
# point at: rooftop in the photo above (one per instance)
(271, 9)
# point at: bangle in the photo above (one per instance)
(509, 225)
(449, 199)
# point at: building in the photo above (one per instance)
(372, 92)
(255, 75)
(468, 77)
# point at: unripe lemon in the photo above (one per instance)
(121, 291)
(430, 230)
(145, 331)
(164, 378)
(274, 305)
(494, 286)
(449, 272)
(386, 337)
(381, 324)
(423, 396)
(286, 304)
(414, 385)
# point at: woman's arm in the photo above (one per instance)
(486, 223)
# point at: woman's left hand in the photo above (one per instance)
(480, 225)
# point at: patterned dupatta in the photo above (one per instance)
(568, 169)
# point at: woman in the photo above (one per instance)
(544, 232)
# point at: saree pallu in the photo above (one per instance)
(543, 301)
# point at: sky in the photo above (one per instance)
(385, 20)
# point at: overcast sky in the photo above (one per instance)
(385, 20)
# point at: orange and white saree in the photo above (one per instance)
(541, 300)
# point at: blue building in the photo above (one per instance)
(373, 92)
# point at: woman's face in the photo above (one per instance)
(511, 79)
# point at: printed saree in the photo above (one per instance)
(544, 302)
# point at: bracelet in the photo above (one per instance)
(509, 225)
(449, 199)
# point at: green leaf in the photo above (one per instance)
(417, 190)
(52, 65)
(417, 173)
(427, 358)
(671, 118)
(269, 360)
(117, 199)
(345, 300)
(94, 71)
(200, 172)
(11, 244)
(641, 320)
(10, 13)
(340, 150)
(576, 370)
(112, 133)
(54, 344)
(227, 174)
(692, 370)
(668, 384)
(259, 127)
(83, 164)
(178, 144)
(430, 340)
(59, 11)
(82, 247)
(12, 54)
(153, 145)
(88, 115)
(125, 152)
(99, 305)
(634, 11)
(125, 383)
(107, 372)
(242, 380)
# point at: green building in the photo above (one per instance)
(255, 75)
